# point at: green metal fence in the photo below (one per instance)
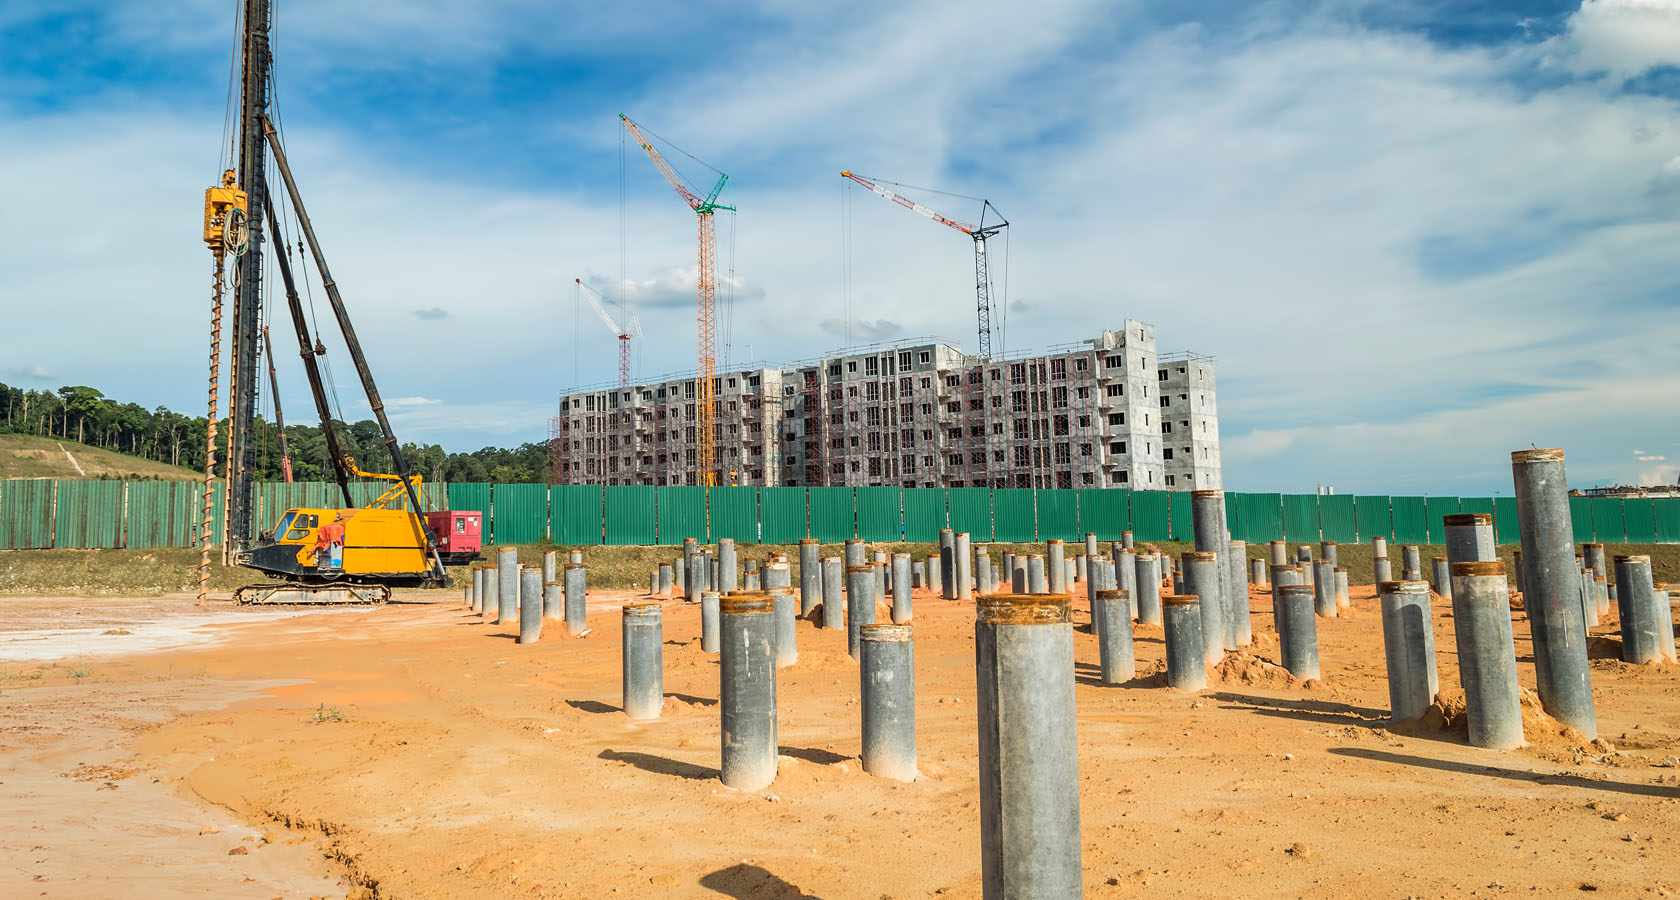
(1300, 518)
(89, 515)
(831, 513)
(1337, 520)
(628, 515)
(577, 517)
(1181, 524)
(879, 517)
(26, 514)
(734, 514)
(1058, 515)
(84, 514)
(781, 515)
(681, 513)
(1013, 518)
(1371, 515)
(924, 514)
(1105, 513)
(970, 510)
(1149, 516)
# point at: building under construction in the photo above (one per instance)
(1105, 412)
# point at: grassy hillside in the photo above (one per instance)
(28, 456)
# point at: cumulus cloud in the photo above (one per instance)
(1623, 38)
(861, 330)
(1659, 475)
(33, 373)
(410, 402)
(1258, 444)
(673, 287)
(1367, 228)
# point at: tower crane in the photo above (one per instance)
(980, 233)
(706, 317)
(632, 329)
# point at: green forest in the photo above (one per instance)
(86, 415)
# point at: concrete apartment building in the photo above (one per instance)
(1189, 421)
(1105, 412)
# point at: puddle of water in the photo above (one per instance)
(46, 645)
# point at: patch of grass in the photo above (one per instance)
(325, 713)
(158, 570)
(80, 672)
(621, 568)
(167, 570)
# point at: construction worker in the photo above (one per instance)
(329, 544)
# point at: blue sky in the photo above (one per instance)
(1416, 235)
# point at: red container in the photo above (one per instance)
(459, 534)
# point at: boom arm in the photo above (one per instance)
(355, 347)
(595, 304)
(980, 233)
(676, 181)
(312, 368)
(909, 204)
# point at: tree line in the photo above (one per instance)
(85, 415)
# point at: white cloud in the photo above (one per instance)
(863, 330)
(1653, 458)
(1257, 444)
(1658, 475)
(1621, 37)
(1406, 263)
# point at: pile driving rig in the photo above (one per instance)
(387, 543)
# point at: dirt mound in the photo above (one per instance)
(1240, 668)
(1541, 732)
(1604, 647)
(1553, 738)
(1444, 716)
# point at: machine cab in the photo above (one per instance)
(297, 526)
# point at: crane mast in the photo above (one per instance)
(980, 233)
(706, 313)
(250, 155)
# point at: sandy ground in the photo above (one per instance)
(411, 751)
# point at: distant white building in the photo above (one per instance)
(1105, 412)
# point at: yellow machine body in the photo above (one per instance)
(384, 547)
(376, 541)
(219, 204)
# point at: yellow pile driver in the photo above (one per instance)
(347, 554)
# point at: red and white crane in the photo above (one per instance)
(632, 328)
(980, 233)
